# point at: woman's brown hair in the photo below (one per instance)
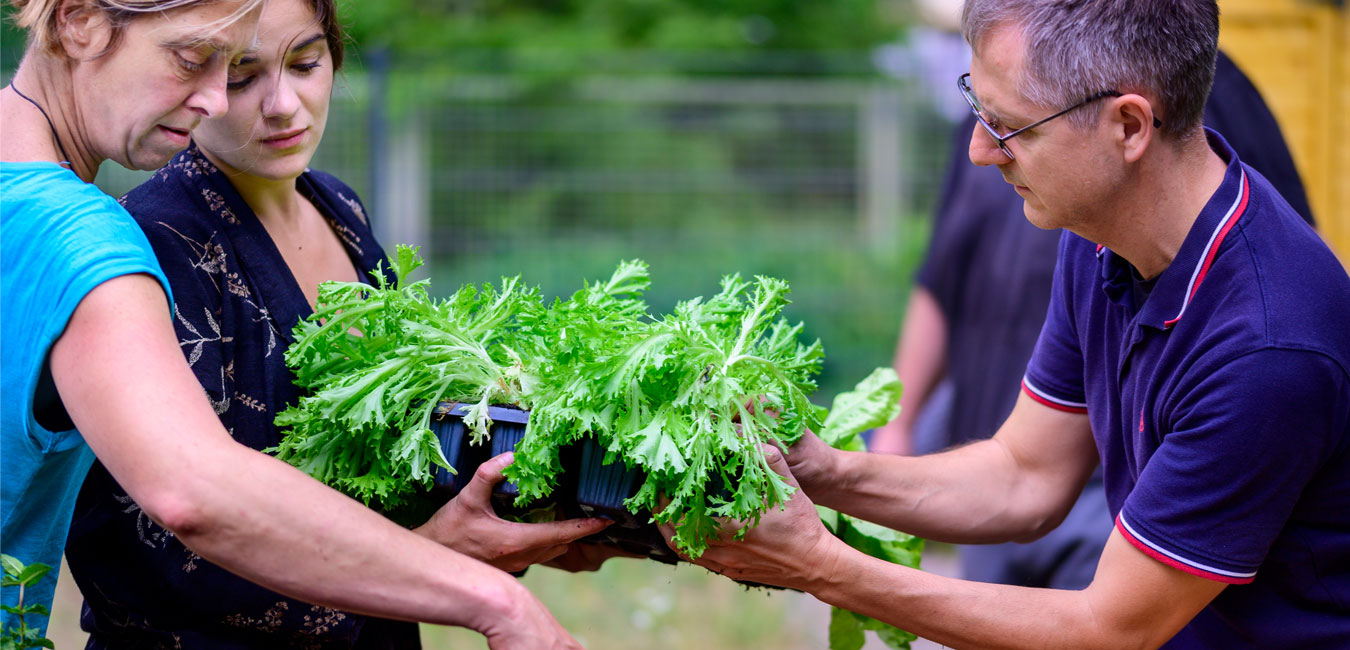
(325, 13)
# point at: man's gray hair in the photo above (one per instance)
(1075, 48)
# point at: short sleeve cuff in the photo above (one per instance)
(1157, 549)
(1038, 391)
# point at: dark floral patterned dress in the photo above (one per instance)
(236, 303)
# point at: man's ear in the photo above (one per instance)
(85, 31)
(1132, 118)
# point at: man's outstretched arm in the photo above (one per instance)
(1016, 486)
(1134, 601)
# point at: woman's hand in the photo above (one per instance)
(468, 524)
(790, 547)
(525, 624)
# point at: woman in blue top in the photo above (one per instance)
(90, 356)
(245, 233)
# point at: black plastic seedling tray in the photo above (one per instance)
(587, 487)
(507, 429)
(600, 492)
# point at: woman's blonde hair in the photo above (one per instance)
(41, 17)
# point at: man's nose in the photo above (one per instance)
(984, 150)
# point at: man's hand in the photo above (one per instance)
(812, 463)
(790, 547)
(468, 524)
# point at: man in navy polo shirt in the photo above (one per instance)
(976, 310)
(1197, 345)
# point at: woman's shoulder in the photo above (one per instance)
(51, 187)
(185, 210)
(179, 193)
(62, 236)
(49, 206)
(328, 181)
(339, 193)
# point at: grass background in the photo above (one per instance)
(629, 605)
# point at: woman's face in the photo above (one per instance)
(278, 98)
(138, 103)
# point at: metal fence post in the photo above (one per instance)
(881, 194)
(405, 201)
(399, 165)
(377, 79)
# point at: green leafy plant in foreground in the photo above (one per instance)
(671, 395)
(21, 635)
(874, 402)
(670, 398)
(375, 361)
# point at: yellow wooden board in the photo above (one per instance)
(1297, 52)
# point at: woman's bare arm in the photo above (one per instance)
(129, 391)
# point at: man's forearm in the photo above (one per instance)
(935, 497)
(963, 614)
(1013, 487)
(1134, 602)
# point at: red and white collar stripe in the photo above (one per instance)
(1212, 247)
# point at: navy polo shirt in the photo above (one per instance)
(1221, 410)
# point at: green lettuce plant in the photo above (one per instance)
(687, 397)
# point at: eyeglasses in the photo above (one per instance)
(963, 82)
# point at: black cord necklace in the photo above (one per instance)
(57, 138)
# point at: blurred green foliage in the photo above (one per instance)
(851, 300)
(12, 41)
(593, 35)
(586, 34)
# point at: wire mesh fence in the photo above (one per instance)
(825, 182)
